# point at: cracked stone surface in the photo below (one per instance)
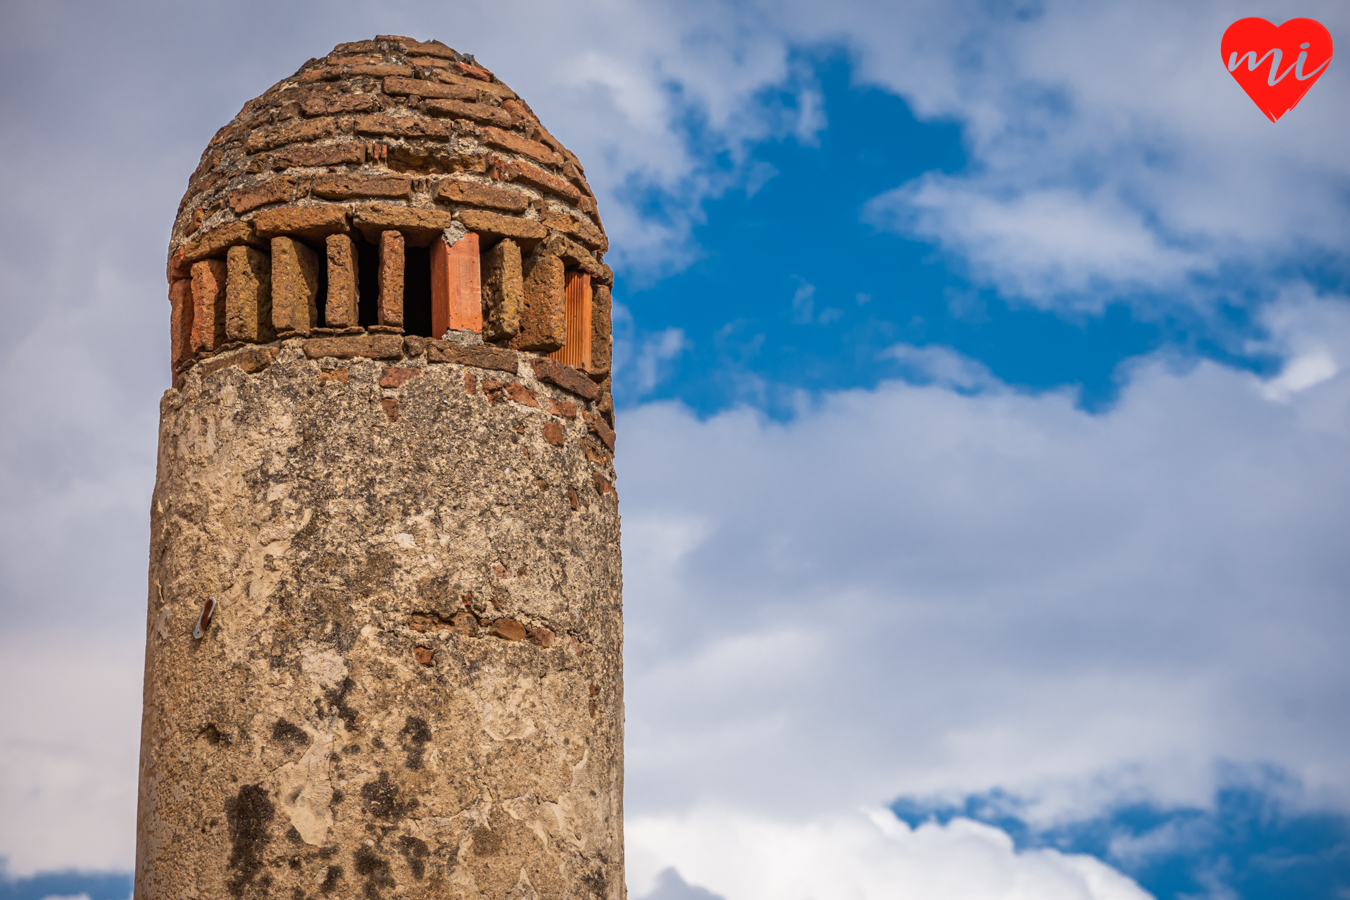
(412, 681)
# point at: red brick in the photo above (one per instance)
(218, 240)
(311, 222)
(507, 630)
(429, 89)
(576, 350)
(565, 408)
(516, 170)
(367, 346)
(543, 307)
(470, 383)
(391, 279)
(419, 227)
(597, 426)
(478, 112)
(381, 71)
(352, 153)
(477, 355)
(338, 375)
(397, 376)
(342, 187)
(565, 377)
(344, 279)
(471, 71)
(180, 320)
(424, 655)
(456, 287)
(472, 193)
(506, 140)
(428, 62)
(340, 103)
(521, 394)
(584, 231)
(208, 305)
(248, 296)
(390, 407)
(495, 225)
(572, 498)
(429, 48)
(553, 433)
(291, 132)
(602, 485)
(295, 286)
(249, 359)
(403, 126)
(274, 190)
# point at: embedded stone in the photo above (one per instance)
(503, 291)
(248, 296)
(543, 307)
(295, 286)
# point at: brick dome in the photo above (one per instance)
(392, 188)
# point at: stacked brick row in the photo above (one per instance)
(397, 143)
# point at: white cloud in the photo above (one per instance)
(861, 856)
(917, 591)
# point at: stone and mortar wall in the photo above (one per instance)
(393, 140)
(411, 683)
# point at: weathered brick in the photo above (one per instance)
(478, 112)
(602, 485)
(208, 305)
(565, 408)
(471, 71)
(290, 132)
(391, 279)
(340, 306)
(352, 153)
(340, 103)
(573, 254)
(495, 87)
(503, 291)
(507, 630)
(516, 170)
(248, 296)
(381, 70)
(180, 320)
(403, 126)
(348, 48)
(602, 329)
(367, 346)
(218, 240)
(430, 90)
(295, 286)
(397, 376)
(526, 231)
(597, 426)
(390, 407)
(543, 307)
(456, 291)
(430, 48)
(583, 229)
(431, 62)
(250, 359)
(424, 655)
(553, 433)
(419, 226)
(521, 394)
(472, 193)
(565, 377)
(274, 190)
(311, 222)
(606, 406)
(477, 355)
(342, 187)
(507, 140)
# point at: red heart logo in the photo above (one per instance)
(1276, 66)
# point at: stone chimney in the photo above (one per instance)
(384, 642)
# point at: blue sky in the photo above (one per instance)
(984, 405)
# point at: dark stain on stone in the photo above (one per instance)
(248, 813)
(330, 879)
(595, 880)
(213, 735)
(292, 736)
(294, 836)
(415, 736)
(337, 798)
(382, 801)
(297, 894)
(336, 698)
(415, 851)
(486, 842)
(375, 870)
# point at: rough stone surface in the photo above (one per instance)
(208, 304)
(543, 308)
(602, 329)
(503, 291)
(323, 732)
(295, 287)
(391, 278)
(248, 296)
(340, 308)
